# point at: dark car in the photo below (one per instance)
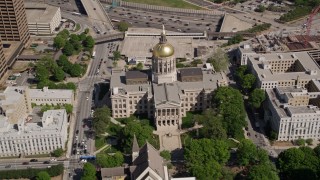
(74, 152)
(74, 145)
(8, 166)
(94, 8)
(34, 160)
(79, 144)
(46, 162)
(77, 131)
(25, 163)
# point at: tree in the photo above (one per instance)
(229, 104)
(116, 55)
(260, 8)
(69, 108)
(212, 125)
(300, 142)
(76, 70)
(309, 142)
(317, 150)
(59, 42)
(298, 163)
(123, 26)
(257, 96)
(43, 175)
(86, 31)
(235, 39)
(142, 131)
(139, 66)
(82, 36)
(64, 34)
(58, 74)
(166, 155)
(42, 73)
(263, 172)
(68, 49)
(219, 60)
(89, 42)
(108, 161)
(248, 81)
(248, 153)
(101, 119)
(89, 172)
(204, 158)
(57, 153)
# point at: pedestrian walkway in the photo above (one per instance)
(99, 150)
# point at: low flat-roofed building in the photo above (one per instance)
(11, 50)
(42, 19)
(115, 173)
(283, 69)
(30, 138)
(51, 96)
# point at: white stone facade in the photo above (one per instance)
(51, 96)
(30, 138)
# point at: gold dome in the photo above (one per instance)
(163, 50)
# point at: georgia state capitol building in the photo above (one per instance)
(164, 94)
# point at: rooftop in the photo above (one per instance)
(190, 72)
(49, 93)
(110, 172)
(166, 93)
(40, 13)
(136, 75)
(267, 75)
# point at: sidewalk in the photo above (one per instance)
(102, 148)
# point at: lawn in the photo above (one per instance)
(168, 3)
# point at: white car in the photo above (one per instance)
(53, 159)
(84, 160)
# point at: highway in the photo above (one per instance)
(97, 16)
(176, 23)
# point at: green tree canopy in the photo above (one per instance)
(166, 155)
(68, 107)
(260, 8)
(59, 42)
(43, 175)
(76, 70)
(212, 125)
(257, 96)
(68, 49)
(101, 120)
(123, 26)
(89, 172)
(58, 74)
(142, 131)
(219, 60)
(248, 153)
(139, 66)
(64, 34)
(107, 161)
(204, 158)
(57, 153)
(298, 163)
(116, 55)
(263, 172)
(88, 42)
(248, 81)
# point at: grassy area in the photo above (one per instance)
(100, 142)
(167, 3)
(188, 121)
(77, 27)
(38, 156)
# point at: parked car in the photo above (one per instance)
(25, 163)
(46, 162)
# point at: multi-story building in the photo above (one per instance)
(283, 69)
(30, 137)
(165, 93)
(25, 133)
(51, 96)
(3, 63)
(13, 21)
(42, 19)
(292, 113)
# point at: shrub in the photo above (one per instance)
(300, 142)
(309, 142)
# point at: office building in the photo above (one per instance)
(293, 112)
(283, 69)
(51, 96)
(13, 21)
(3, 63)
(42, 19)
(30, 137)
